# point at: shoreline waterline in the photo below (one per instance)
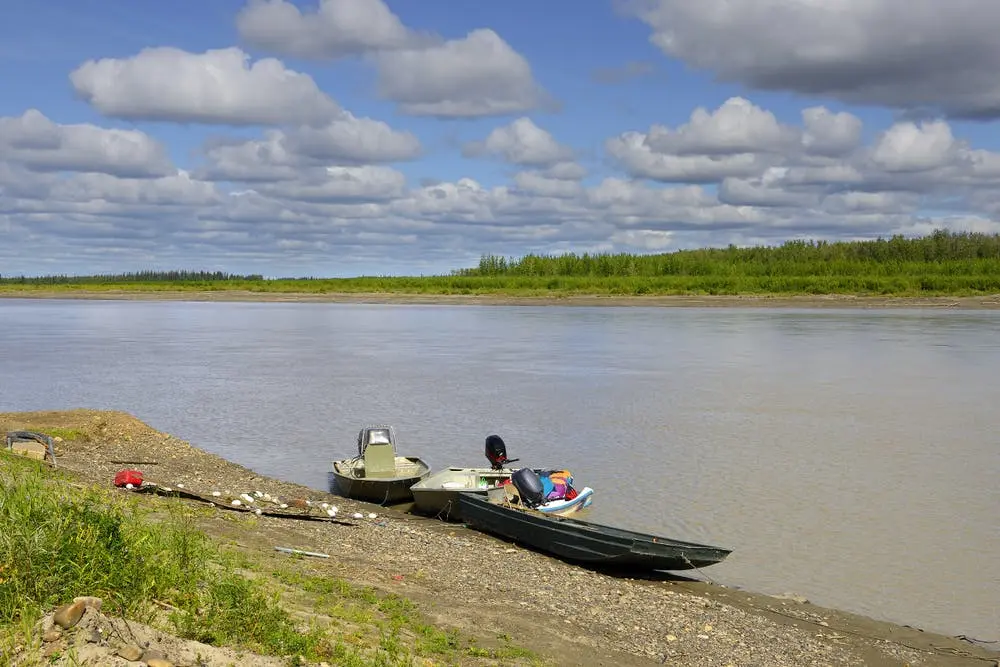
(982, 302)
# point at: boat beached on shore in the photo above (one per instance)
(377, 474)
(518, 518)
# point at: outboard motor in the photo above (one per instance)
(529, 487)
(496, 452)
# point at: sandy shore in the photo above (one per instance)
(702, 301)
(479, 584)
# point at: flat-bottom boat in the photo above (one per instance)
(583, 541)
(437, 495)
(377, 474)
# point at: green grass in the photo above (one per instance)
(59, 541)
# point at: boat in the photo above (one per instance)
(581, 541)
(437, 495)
(378, 474)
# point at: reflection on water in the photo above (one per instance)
(849, 456)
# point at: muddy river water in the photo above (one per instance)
(848, 456)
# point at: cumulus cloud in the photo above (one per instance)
(287, 154)
(35, 142)
(367, 183)
(300, 200)
(336, 28)
(910, 147)
(738, 126)
(218, 86)
(477, 75)
(351, 139)
(899, 53)
(521, 142)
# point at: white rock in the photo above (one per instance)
(258, 511)
(332, 511)
(258, 494)
(129, 486)
(236, 503)
(358, 515)
(180, 486)
(284, 506)
(216, 494)
(372, 515)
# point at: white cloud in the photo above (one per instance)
(632, 150)
(910, 147)
(900, 53)
(738, 126)
(828, 133)
(350, 139)
(336, 28)
(341, 184)
(539, 184)
(521, 142)
(427, 75)
(566, 171)
(290, 154)
(219, 86)
(35, 142)
(477, 75)
(301, 200)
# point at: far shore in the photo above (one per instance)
(981, 302)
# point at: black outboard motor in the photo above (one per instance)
(529, 487)
(496, 452)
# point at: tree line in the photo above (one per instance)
(969, 250)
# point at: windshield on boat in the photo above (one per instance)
(379, 436)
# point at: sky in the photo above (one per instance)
(388, 137)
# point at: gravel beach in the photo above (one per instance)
(477, 583)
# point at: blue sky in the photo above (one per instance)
(418, 137)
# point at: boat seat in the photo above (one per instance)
(380, 461)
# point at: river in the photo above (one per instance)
(849, 456)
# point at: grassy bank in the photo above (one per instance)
(941, 264)
(150, 563)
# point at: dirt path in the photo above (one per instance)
(704, 301)
(490, 588)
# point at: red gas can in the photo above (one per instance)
(133, 477)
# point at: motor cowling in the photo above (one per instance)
(496, 451)
(529, 487)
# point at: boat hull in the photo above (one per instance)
(347, 479)
(586, 542)
(437, 494)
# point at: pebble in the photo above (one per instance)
(90, 601)
(236, 503)
(69, 615)
(130, 652)
(159, 662)
(216, 494)
(51, 636)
